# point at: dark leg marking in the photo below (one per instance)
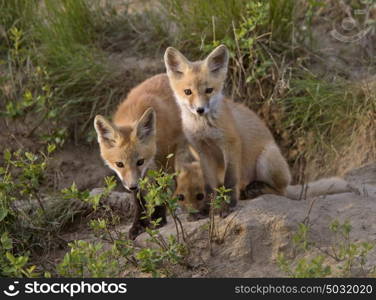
(160, 212)
(230, 183)
(139, 223)
(256, 189)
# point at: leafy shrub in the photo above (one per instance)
(89, 260)
(21, 230)
(120, 255)
(349, 257)
(30, 222)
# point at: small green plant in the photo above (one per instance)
(160, 186)
(13, 265)
(93, 200)
(40, 40)
(300, 238)
(305, 268)
(222, 198)
(351, 255)
(90, 259)
(30, 222)
(348, 256)
(57, 137)
(30, 169)
(217, 203)
(158, 262)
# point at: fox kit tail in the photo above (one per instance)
(325, 186)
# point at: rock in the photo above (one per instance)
(363, 179)
(116, 200)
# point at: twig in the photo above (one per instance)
(306, 219)
(37, 125)
(228, 226)
(40, 202)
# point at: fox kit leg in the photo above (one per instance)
(231, 155)
(209, 175)
(160, 213)
(139, 221)
(272, 169)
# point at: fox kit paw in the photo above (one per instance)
(135, 231)
(254, 190)
(225, 210)
(233, 199)
(195, 217)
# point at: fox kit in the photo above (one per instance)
(260, 160)
(190, 186)
(229, 138)
(146, 128)
(190, 189)
(206, 114)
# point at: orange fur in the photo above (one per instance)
(235, 147)
(123, 141)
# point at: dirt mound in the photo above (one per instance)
(258, 230)
(251, 238)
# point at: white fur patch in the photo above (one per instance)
(198, 127)
(184, 105)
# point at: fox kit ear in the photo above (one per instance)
(175, 62)
(217, 60)
(107, 133)
(145, 127)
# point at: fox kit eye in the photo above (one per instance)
(180, 197)
(209, 90)
(119, 164)
(140, 162)
(188, 92)
(200, 196)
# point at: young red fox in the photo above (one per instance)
(146, 128)
(190, 189)
(234, 146)
(215, 126)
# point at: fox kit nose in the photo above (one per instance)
(200, 110)
(133, 188)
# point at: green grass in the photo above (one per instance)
(322, 119)
(16, 13)
(67, 41)
(318, 105)
(77, 67)
(202, 24)
(281, 17)
(61, 50)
